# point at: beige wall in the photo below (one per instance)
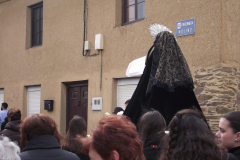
(230, 32)
(60, 59)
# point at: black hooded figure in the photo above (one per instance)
(166, 84)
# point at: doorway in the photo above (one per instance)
(77, 102)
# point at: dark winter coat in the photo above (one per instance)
(4, 123)
(12, 131)
(45, 147)
(235, 151)
(83, 157)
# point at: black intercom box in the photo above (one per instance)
(48, 105)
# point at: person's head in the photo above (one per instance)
(229, 130)
(8, 149)
(77, 128)
(37, 125)
(14, 114)
(114, 138)
(190, 138)
(151, 123)
(4, 106)
(126, 103)
(117, 109)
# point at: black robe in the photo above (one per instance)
(166, 84)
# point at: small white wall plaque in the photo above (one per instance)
(97, 103)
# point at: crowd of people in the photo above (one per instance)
(187, 137)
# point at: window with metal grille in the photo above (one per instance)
(36, 24)
(133, 10)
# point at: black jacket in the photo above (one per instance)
(12, 131)
(45, 147)
(83, 157)
(235, 151)
(4, 123)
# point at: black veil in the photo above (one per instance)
(166, 84)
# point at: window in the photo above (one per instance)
(125, 90)
(133, 10)
(33, 100)
(1, 96)
(36, 24)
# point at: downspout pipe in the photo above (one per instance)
(84, 12)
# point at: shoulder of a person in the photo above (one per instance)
(83, 157)
(73, 155)
(62, 154)
(4, 132)
(24, 156)
(232, 157)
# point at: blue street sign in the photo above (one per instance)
(185, 27)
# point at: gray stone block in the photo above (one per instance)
(222, 110)
(227, 69)
(198, 90)
(203, 75)
(203, 97)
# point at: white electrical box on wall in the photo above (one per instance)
(87, 45)
(97, 103)
(98, 41)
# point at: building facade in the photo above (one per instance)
(42, 57)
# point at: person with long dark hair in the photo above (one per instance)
(228, 135)
(152, 130)
(77, 128)
(41, 140)
(190, 138)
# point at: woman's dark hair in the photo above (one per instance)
(77, 127)
(14, 114)
(37, 125)
(233, 118)
(190, 138)
(151, 123)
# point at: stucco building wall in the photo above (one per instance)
(59, 59)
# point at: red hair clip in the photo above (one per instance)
(153, 146)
